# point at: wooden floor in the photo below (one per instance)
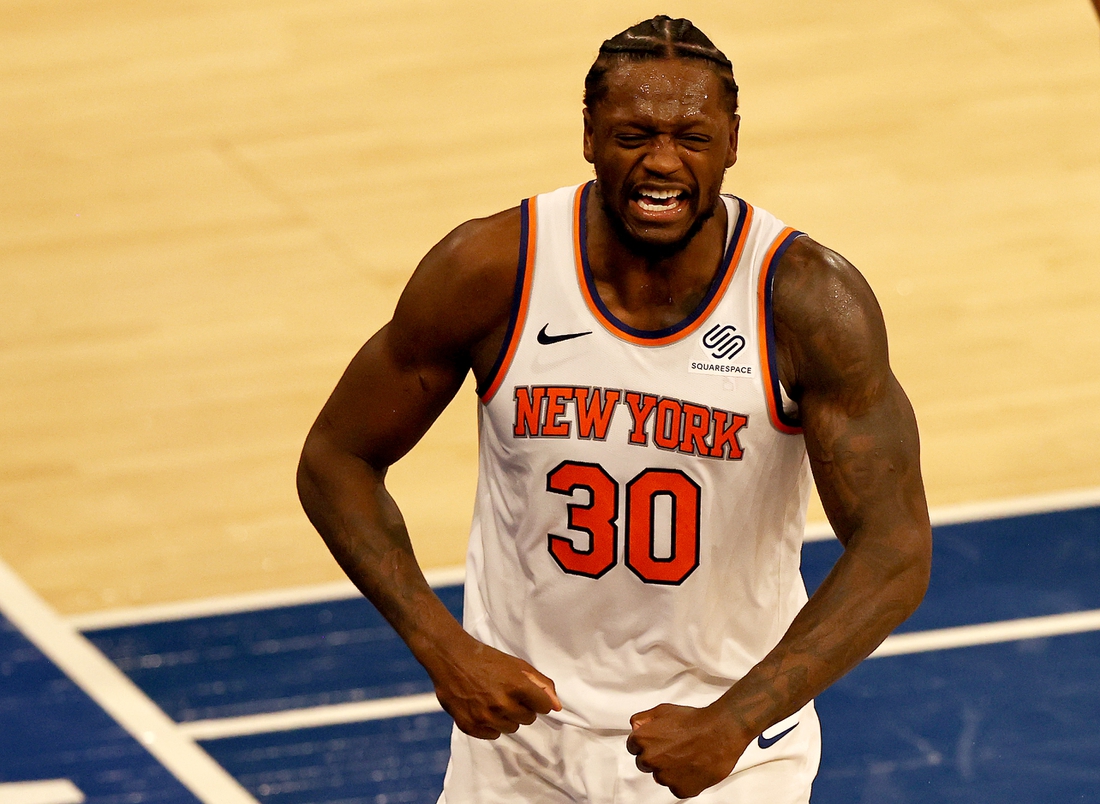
(206, 207)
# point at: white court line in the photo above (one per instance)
(314, 716)
(116, 694)
(896, 645)
(234, 604)
(966, 636)
(213, 606)
(51, 791)
(1016, 506)
(818, 532)
(993, 509)
(450, 576)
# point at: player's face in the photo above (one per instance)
(660, 142)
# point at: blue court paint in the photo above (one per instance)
(343, 651)
(51, 729)
(980, 724)
(398, 761)
(1001, 569)
(269, 660)
(1018, 721)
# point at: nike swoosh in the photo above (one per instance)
(764, 742)
(546, 340)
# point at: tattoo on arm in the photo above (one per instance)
(861, 437)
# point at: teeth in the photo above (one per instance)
(657, 200)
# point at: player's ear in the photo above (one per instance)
(735, 127)
(589, 150)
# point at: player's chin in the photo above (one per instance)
(661, 231)
(661, 242)
(684, 792)
(665, 236)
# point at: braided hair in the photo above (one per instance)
(659, 38)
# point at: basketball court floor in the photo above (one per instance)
(207, 207)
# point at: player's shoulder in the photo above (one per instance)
(462, 289)
(474, 258)
(495, 242)
(814, 284)
(828, 322)
(482, 245)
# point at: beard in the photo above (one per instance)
(654, 252)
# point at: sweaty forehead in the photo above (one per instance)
(662, 89)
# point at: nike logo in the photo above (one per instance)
(765, 742)
(546, 340)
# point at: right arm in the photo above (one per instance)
(452, 316)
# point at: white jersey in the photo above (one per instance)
(642, 495)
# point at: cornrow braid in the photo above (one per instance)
(659, 38)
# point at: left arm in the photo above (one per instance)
(861, 437)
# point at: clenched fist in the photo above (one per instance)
(488, 692)
(686, 749)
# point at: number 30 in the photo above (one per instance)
(600, 516)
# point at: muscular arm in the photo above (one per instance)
(451, 316)
(861, 437)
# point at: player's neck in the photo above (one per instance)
(653, 288)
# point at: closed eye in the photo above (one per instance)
(695, 141)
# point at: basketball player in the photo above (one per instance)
(659, 367)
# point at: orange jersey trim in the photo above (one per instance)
(521, 299)
(726, 269)
(780, 419)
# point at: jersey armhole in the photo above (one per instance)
(521, 296)
(783, 421)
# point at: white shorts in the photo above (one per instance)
(552, 763)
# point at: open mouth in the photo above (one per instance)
(659, 201)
